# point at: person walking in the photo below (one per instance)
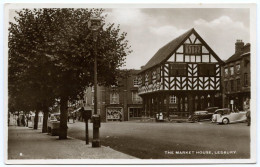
(68, 118)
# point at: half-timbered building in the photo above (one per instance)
(183, 76)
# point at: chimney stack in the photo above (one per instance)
(239, 45)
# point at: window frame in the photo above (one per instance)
(135, 82)
(232, 67)
(113, 97)
(226, 72)
(177, 73)
(208, 72)
(238, 71)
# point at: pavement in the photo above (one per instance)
(26, 143)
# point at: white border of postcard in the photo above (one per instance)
(252, 8)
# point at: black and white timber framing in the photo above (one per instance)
(186, 68)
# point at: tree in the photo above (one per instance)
(28, 67)
(61, 37)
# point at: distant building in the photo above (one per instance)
(236, 77)
(182, 77)
(117, 102)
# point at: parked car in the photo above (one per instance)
(225, 116)
(248, 117)
(200, 115)
(211, 109)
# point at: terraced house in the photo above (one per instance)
(183, 76)
(236, 78)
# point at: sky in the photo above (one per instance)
(149, 29)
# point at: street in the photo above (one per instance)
(150, 140)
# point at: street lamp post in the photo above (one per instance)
(94, 25)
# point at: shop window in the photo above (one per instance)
(231, 70)
(114, 98)
(135, 82)
(245, 79)
(178, 70)
(206, 70)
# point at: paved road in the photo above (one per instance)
(172, 140)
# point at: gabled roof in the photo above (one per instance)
(163, 53)
(237, 56)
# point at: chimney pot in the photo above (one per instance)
(239, 45)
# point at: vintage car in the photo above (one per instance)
(225, 116)
(200, 115)
(211, 109)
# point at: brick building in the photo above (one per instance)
(236, 77)
(117, 100)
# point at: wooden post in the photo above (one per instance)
(212, 97)
(190, 103)
(167, 104)
(178, 102)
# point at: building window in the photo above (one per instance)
(226, 86)
(226, 72)
(136, 98)
(238, 84)
(237, 68)
(206, 70)
(178, 70)
(232, 85)
(114, 98)
(173, 99)
(232, 70)
(245, 79)
(135, 82)
(158, 75)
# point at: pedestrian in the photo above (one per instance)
(120, 117)
(74, 117)
(68, 118)
(18, 121)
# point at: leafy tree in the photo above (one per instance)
(60, 38)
